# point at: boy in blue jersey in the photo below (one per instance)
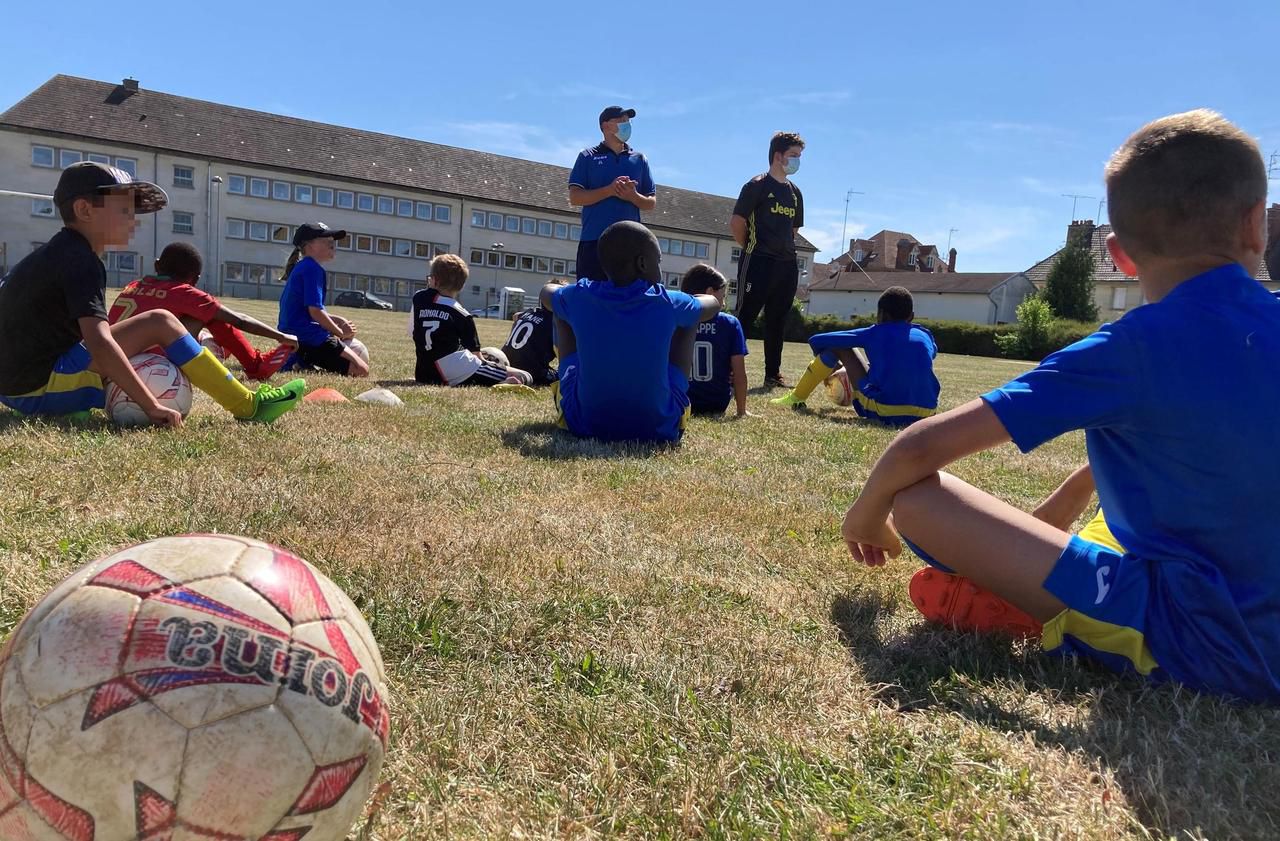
(625, 344)
(896, 384)
(719, 354)
(1182, 445)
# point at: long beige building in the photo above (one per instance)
(241, 181)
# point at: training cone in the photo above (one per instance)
(325, 395)
(381, 396)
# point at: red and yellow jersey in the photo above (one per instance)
(160, 293)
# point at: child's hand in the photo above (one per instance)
(164, 416)
(869, 536)
(745, 414)
(289, 340)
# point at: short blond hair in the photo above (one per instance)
(449, 271)
(1180, 185)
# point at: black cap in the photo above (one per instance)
(89, 178)
(308, 231)
(613, 112)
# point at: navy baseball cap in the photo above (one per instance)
(308, 231)
(89, 178)
(613, 112)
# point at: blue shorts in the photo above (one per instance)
(71, 388)
(1106, 591)
(572, 417)
(894, 415)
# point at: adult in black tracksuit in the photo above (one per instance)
(769, 212)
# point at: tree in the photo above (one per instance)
(1030, 338)
(1069, 288)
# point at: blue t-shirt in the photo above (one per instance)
(710, 384)
(305, 288)
(599, 166)
(900, 357)
(1179, 401)
(624, 387)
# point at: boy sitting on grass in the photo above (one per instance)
(895, 385)
(625, 344)
(719, 354)
(173, 288)
(1182, 445)
(56, 346)
(531, 346)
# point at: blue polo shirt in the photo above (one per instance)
(1179, 400)
(620, 384)
(711, 383)
(305, 288)
(600, 166)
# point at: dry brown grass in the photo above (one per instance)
(591, 640)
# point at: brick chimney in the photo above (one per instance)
(1080, 231)
(130, 84)
(1273, 240)
(951, 260)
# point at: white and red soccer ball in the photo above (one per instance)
(162, 378)
(361, 350)
(838, 389)
(205, 687)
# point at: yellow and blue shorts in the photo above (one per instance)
(71, 388)
(894, 415)
(571, 417)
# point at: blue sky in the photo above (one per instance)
(974, 116)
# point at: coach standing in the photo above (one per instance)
(769, 212)
(611, 183)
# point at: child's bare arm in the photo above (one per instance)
(1068, 501)
(249, 324)
(321, 316)
(738, 365)
(710, 306)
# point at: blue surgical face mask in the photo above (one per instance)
(792, 165)
(624, 132)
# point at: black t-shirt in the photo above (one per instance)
(445, 339)
(530, 346)
(40, 302)
(773, 210)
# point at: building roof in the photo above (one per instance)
(1104, 270)
(956, 283)
(107, 112)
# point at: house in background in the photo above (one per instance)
(977, 297)
(894, 251)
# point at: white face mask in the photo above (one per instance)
(624, 132)
(791, 165)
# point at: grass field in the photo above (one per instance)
(589, 640)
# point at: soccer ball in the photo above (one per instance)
(359, 347)
(162, 378)
(495, 355)
(199, 687)
(208, 341)
(838, 389)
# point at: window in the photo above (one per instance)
(259, 188)
(280, 233)
(184, 223)
(234, 272)
(495, 221)
(572, 267)
(928, 262)
(675, 247)
(345, 199)
(403, 288)
(42, 156)
(382, 285)
(67, 157)
(364, 242)
(492, 258)
(281, 190)
(324, 196)
(42, 207)
(364, 203)
(98, 159)
(733, 286)
(801, 263)
(526, 263)
(258, 231)
(422, 250)
(129, 165)
(575, 232)
(1117, 298)
(404, 207)
(663, 244)
(857, 255)
(557, 267)
(236, 184)
(341, 280)
(562, 230)
(510, 261)
(475, 288)
(302, 193)
(735, 255)
(442, 213)
(235, 228)
(513, 224)
(544, 227)
(404, 248)
(346, 243)
(477, 218)
(386, 205)
(690, 248)
(257, 274)
(911, 258)
(423, 210)
(702, 251)
(184, 176)
(438, 248)
(125, 261)
(477, 257)
(383, 245)
(544, 265)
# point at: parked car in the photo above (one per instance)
(491, 311)
(361, 300)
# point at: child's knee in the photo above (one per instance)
(918, 503)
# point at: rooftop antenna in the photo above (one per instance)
(844, 228)
(1074, 199)
(949, 233)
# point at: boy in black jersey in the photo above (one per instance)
(531, 346)
(765, 219)
(444, 333)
